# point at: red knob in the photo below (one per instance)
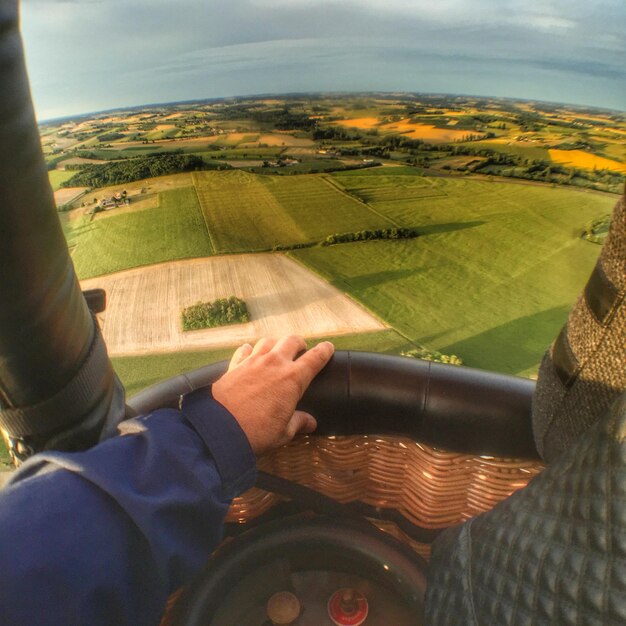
(347, 607)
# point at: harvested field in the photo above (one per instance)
(79, 161)
(582, 159)
(280, 139)
(67, 194)
(144, 304)
(407, 128)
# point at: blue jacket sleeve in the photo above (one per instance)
(104, 536)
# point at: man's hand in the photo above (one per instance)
(263, 385)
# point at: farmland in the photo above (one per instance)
(173, 230)
(232, 199)
(246, 212)
(57, 177)
(578, 158)
(490, 277)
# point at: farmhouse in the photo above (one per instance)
(112, 202)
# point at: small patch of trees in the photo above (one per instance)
(110, 137)
(371, 235)
(220, 312)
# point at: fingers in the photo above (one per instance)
(263, 345)
(240, 355)
(300, 422)
(290, 346)
(313, 361)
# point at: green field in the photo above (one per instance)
(491, 280)
(391, 186)
(173, 230)
(56, 177)
(240, 212)
(247, 212)
(319, 207)
(526, 151)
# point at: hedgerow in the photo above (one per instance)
(371, 235)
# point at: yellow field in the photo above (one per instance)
(426, 131)
(363, 123)
(584, 160)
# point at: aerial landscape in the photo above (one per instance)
(312, 312)
(439, 226)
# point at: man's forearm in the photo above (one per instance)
(146, 509)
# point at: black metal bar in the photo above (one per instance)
(46, 330)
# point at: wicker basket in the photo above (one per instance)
(429, 487)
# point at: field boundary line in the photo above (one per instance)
(345, 293)
(341, 190)
(387, 324)
(201, 207)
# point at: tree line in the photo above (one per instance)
(129, 170)
(371, 235)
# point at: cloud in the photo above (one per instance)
(110, 50)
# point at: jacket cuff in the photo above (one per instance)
(226, 441)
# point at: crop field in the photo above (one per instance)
(584, 160)
(522, 149)
(66, 195)
(144, 305)
(320, 208)
(173, 230)
(362, 123)
(491, 279)
(391, 187)
(241, 213)
(245, 212)
(426, 132)
(56, 177)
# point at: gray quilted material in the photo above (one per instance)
(553, 553)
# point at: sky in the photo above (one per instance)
(92, 55)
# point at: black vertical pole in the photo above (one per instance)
(56, 381)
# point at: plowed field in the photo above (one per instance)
(144, 304)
